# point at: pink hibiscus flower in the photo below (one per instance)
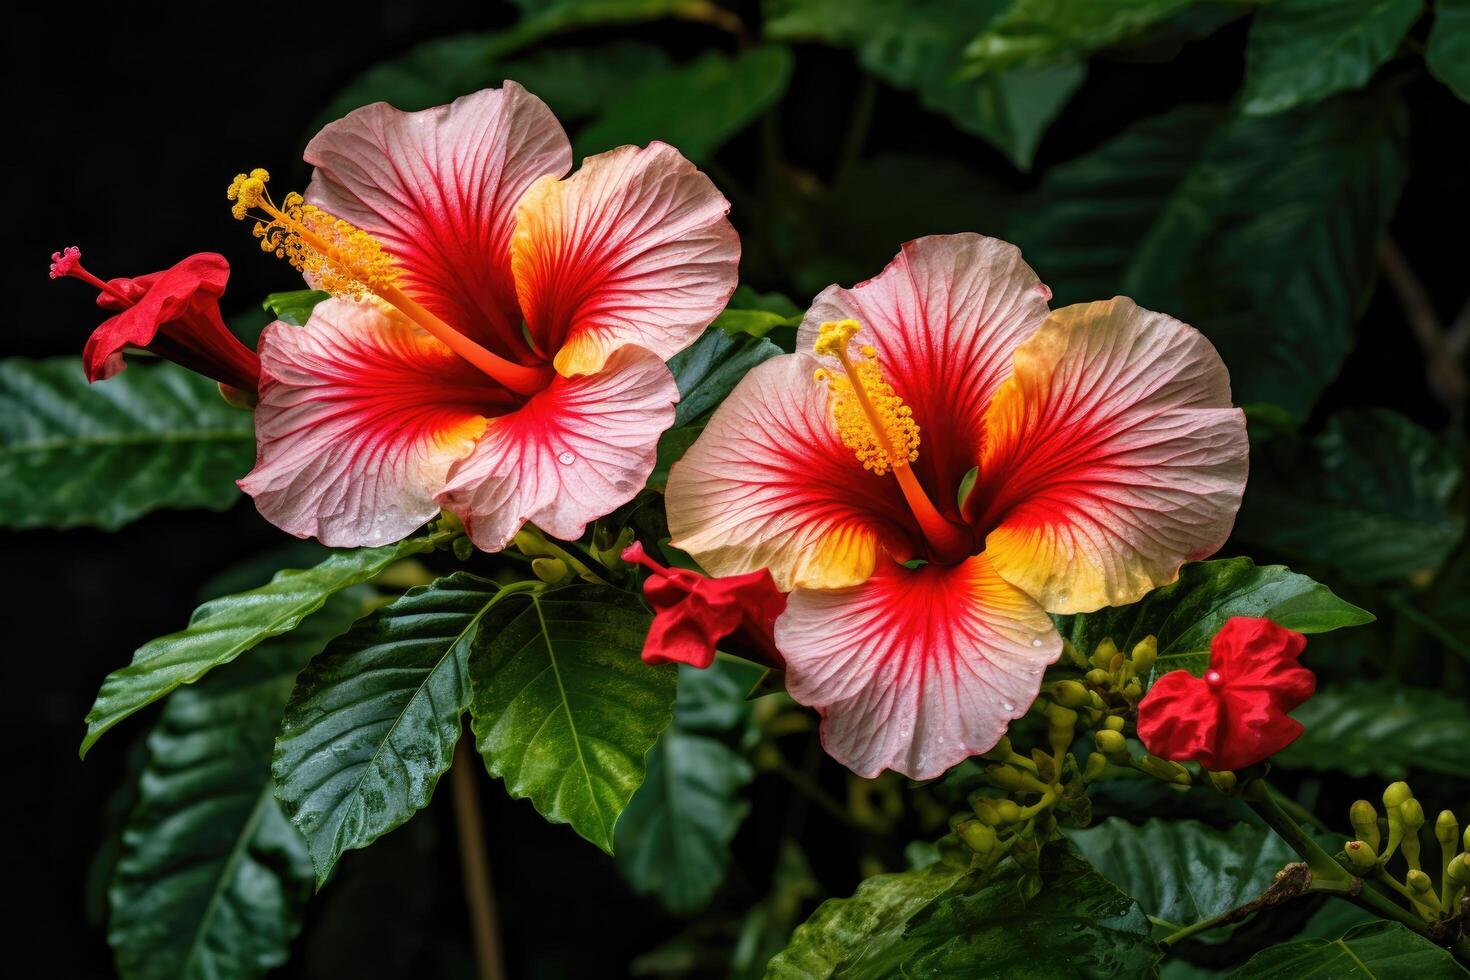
(496, 342)
(1105, 454)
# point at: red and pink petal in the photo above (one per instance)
(361, 416)
(1113, 456)
(634, 248)
(916, 669)
(945, 316)
(575, 452)
(768, 484)
(439, 189)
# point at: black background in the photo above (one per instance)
(123, 130)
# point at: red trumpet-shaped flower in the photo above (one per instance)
(692, 613)
(1235, 715)
(173, 314)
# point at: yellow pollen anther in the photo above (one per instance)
(871, 418)
(344, 260)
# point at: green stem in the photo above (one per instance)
(1261, 799)
(1200, 926)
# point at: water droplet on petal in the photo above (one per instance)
(1008, 706)
(1036, 642)
(566, 458)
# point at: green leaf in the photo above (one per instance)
(696, 107)
(223, 628)
(1448, 56)
(1048, 31)
(294, 307)
(155, 436)
(1302, 51)
(705, 372)
(1376, 951)
(1183, 870)
(1383, 729)
(1184, 616)
(213, 879)
(842, 929)
(918, 46)
(1369, 498)
(674, 838)
(1079, 924)
(1265, 236)
(564, 709)
(757, 314)
(373, 721)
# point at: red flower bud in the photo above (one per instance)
(173, 314)
(692, 612)
(1236, 715)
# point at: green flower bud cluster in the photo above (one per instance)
(1115, 682)
(1399, 832)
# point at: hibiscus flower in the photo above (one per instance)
(496, 342)
(942, 464)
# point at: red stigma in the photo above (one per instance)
(64, 262)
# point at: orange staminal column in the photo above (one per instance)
(349, 262)
(880, 429)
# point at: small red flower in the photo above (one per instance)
(1236, 715)
(692, 612)
(174, 314)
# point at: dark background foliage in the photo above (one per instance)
(124, 129)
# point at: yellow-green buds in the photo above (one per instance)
(1096, 763)
(552, 571)
(1145, 652)
(1061, 728)
(1396, 794)
(1098, 677)
(1113, 745)
(1459, 870)
(1114, 723)
(1364, 818)
(1070, 694)
(1169, 772)
(1447, 831)
(1104, 654)
(1004, 776)
(1411, 813)
(980, 837)
(1361, 854)
(1133, 690)
(1225, 781)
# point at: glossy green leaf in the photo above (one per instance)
(1266, 237)
(294, 307)
(1375, 951)
(564, 709)
(155, 436)
(1184, 871)
(373, 721)
(1048, 31)
(695, 107)
(1448, 55)
(674, 838)
(1184, 616)
(757, 314)
(705, 372)
(918, 46)
(212, 879)
(222, 629)
(1302, 51)
(1381, 728)
(842, 929)
(1369, 498)
(975, 924)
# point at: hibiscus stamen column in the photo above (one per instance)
(879, 428)
(348, 261)
(68, 263)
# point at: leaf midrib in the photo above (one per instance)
(236, 854)
(566, 707)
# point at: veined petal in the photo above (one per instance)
(1113, 457)
(768, 484)
(916, 669)
(361, 414)
(634, 248)
(438, 189)
(575, 452)
(945, 316)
